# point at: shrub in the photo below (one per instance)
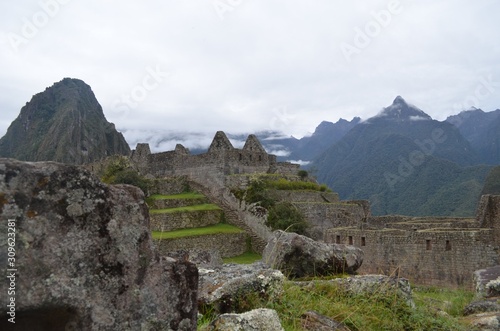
(285, 216)
(303, 174)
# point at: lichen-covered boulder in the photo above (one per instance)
(84, 258)
(299, 256)
(255, 320)
(225, 289)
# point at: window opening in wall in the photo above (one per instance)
(363, 241)
(241, 157)
(350, 240)
(448, 245)
(337, 239)
(250, 157)
(260, 157)
(428, 244)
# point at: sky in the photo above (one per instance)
(244, 66)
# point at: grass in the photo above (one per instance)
(194, 232)
(187, 195)
(202, 207)
(360, 312)
(452, 302)
(245, 258)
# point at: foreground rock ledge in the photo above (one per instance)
(299, 256)
(84, 255)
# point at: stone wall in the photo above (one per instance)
(428, 250)
(430, 257)
(324, 216)
(184, 220)
(229, 245)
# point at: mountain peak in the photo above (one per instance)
(401, 111)
(399, 100)
(64, 123)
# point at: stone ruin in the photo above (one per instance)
(439, 251)
(220, 159)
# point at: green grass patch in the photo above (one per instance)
(450, 301)
(202, 207)
(245, 258)
(187, 195)
(194, 232)
(384, 312)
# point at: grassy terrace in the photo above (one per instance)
(194, 232)
(188, 195)
(202, 207)
(245, 258)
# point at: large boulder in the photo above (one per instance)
(254, 320)
(300, 256)
(84, 258)
(225, 289)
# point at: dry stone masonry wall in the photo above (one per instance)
(433, 251)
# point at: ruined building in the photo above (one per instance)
(220, 159)
(427, 250)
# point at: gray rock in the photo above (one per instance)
(485, 321)
(254, 320)
(487, 282)
(84, 255)
(224, 289)
(300, 256)
(478, 307)
(314, 321)
(202, 259)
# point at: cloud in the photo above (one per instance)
(264, 66)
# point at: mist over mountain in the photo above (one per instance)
(65, 123)
(405, 162)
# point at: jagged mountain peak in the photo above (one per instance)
(401, 111)
(64, 123)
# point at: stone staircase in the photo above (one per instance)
(236, 215)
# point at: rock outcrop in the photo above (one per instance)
(64, 123)
(299, 256)
(84, 258)
(484, 313)
(224, 289)
(254, 320)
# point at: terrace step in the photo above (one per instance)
(228, 244)
(184, 219)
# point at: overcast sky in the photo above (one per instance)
(244, 66)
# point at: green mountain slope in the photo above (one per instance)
(405, 163)
(65, 123)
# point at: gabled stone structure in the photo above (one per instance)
(220, 159)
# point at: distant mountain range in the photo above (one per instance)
(401, 160)
(405, 162)
(65, 123)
